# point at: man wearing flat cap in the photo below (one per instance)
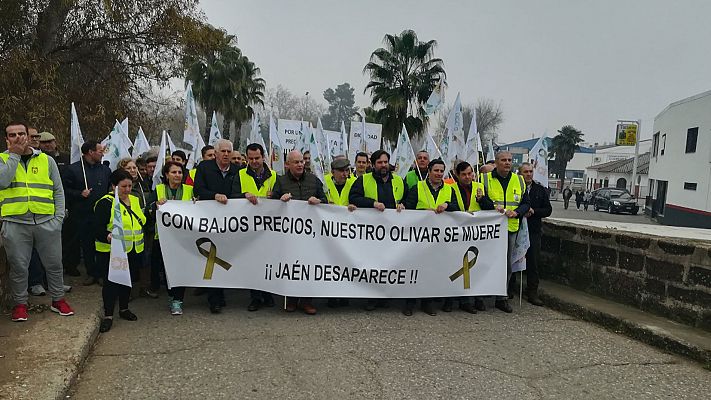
(48, 145)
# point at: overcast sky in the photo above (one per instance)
(549, 63)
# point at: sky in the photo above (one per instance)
(548, 63)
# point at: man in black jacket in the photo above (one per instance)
(213, 181)
(379, 189)
(299, 184)
(540, 208)
(85, 182)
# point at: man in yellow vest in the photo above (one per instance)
(339, 183)
(253, 182)
(468, 193)
(505, 192)
(32, 211)
(434, 195)
(419, 173)
(379, 189)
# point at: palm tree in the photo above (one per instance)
(247, 92)
(403, 74)
(563, 148)
(212, 74)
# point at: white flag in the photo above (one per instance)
(436, 99)
(431, 147)
(198, 153)
(123, 129)
(324, 149)
(141, 145)
(116, 148)
(161, 159)
(518, 253)
(277, 147)
(124, 126)
(302, 144)
(119, 272)
(539, 158)
(403, 156)
(255, 136)
(76, 138)
(215, 134)
(191, 131)
(343, 150)
(455, 134)
(471, 149)
(490, 156)
(171, 145)
(316, 158)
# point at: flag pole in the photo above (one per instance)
(86, 184)
(520, 293)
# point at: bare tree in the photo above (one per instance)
(489, 117)
(286, 105)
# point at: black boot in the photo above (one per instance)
(504, 306)
(534, 299)
(447, 306)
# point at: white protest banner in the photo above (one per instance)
(334, 143)
(372, 139)
(297, 249)
(118, 265)
(290, 132)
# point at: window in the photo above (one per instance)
(664, 144)
(689, 185)
(655, 144)
(691, 135)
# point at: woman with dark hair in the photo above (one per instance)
(173, 188)
(133, 222)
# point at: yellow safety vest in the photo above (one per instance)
(370, 187)
(425, 200)
(31, 189)
(249, 185)
(333, 196)
(132, 228)
(509, 200)
(186, 195)
(473, 205)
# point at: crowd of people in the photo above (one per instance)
(56, 214)
(582, 198)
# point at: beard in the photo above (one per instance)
(381, 172)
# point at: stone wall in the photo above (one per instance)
(664, 276)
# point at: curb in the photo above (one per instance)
(647, 334)
(76, 369)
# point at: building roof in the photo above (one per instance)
(625, 166)
(682, 101)
(529, 143)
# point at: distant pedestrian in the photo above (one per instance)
(579, 195)
(567, 194)
(586, 199)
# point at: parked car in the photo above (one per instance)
(614, 201)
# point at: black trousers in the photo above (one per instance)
(111, 291)
(533, 256)
(260, 295)
(78, 233)
(158, 272)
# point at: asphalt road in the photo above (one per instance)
(350, 354)
(572, 212)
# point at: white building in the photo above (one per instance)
(618, 174)
(680, 164)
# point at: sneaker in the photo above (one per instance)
(176, 307)
(19, 313)
(62, 307)
(153, 294)
(37, 290)
(67, 288)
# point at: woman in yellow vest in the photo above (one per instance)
(133, 222)
(173, 188)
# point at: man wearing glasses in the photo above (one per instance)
(32, 210)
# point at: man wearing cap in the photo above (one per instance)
(339, 184)
(48, 145)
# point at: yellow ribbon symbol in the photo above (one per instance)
(212, 258)
(467, 264)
